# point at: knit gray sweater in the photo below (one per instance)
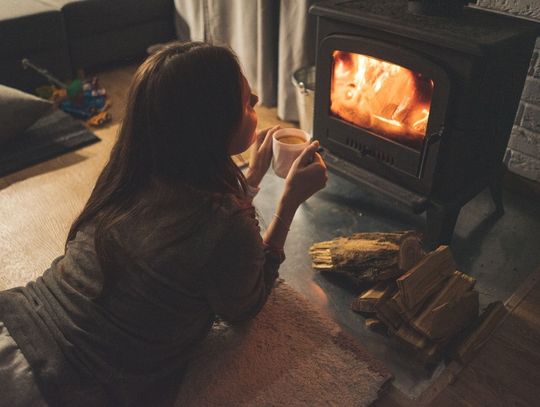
(179, 264)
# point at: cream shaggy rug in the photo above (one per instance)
(289, 355)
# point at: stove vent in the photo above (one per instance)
(365, 150)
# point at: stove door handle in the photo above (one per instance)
(429, 141)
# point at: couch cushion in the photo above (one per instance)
(32, 29)
(89, 17)
(30, 25)
(19, 111)
(122, 45)
(108, 31)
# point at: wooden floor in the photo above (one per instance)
(505, 372)
(38, 204)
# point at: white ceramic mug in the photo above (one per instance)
(287, 145)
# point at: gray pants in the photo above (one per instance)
(17, 385)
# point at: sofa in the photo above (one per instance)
(64, 36)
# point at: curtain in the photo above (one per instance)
(272, 39)
(297, 42)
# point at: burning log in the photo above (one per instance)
(368, 257)
(380, 96)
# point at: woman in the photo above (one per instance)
(167, 240)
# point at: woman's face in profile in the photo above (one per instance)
(245, 135)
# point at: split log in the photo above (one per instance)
(492, 315)
(367, 301)
(432, 353)
(390, 313)
(376, 325)
(429, 318)
(452, 317)
(426, 277)
(368, 257)
(406, 313)
(426, 351)
(412, 338)
(390, 310)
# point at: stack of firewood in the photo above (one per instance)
(420, 298)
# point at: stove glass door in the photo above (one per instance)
(381, 97)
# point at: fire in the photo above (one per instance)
(382, 97)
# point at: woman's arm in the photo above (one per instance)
(306, 176)
(246, 266)
(243, 271)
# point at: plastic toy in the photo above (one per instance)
(82, 98)
(99, 119)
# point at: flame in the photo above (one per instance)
(380, 96)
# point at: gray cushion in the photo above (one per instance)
(19, 111)
(54, 134)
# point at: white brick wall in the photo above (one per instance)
(523, 154)
(526, 8)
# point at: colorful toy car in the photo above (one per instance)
(99, 119)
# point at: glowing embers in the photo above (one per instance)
(382, 97)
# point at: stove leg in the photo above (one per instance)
(496, 190)
(440, 223)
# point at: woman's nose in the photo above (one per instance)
(254, 99)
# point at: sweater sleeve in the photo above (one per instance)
(243, 271)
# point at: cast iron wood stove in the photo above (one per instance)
(419, 107)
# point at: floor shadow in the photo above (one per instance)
(481, 230)
(53, 164)
(374, 207)
(343, 281)
(469, 246)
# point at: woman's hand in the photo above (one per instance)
(261, 156)
(307, 175)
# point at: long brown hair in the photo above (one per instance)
(184, 105)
